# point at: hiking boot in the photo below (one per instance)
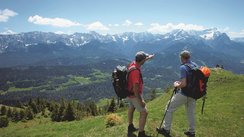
(142, 134)
(131, 128)
(189, 134)
(164, 132)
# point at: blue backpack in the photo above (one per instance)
(197, 78)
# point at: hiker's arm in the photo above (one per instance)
(180, 84)
(149, 57)
(137, 94)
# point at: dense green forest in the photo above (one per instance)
(58, 111)
(87, 82)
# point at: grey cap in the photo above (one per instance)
(141, 55)
(185, 54)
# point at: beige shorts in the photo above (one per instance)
(133, 102)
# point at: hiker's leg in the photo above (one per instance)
(177, 100)
(190, 109)
(130, 114)
(143, 112)
(131, 110)
(142, 120)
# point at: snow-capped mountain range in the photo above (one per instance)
(80, 39)
(210, 46)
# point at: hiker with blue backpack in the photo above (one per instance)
(181, 97)
(135, 97)
(128, 82)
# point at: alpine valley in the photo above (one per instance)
(79, 66)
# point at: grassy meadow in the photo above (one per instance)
(223, 116)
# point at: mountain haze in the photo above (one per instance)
(209, 47)
(79, 66)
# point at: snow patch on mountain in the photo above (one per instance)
(51, 42)
(210, 34)
(114, 39)
(29, 44)
(125, 39)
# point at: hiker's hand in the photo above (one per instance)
(150, 57)
(176, 84)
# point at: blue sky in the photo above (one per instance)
(117, 16)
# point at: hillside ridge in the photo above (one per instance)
(223, 115)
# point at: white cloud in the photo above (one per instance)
(113, 25)
(8, 32)
(138, 24)
(127, 23)
(6, 14)
(116, 25)
(59, 32)
(57, 22)
(226, 29)
(158, 28)
(96, 26)
(236, 34)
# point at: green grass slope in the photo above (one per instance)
(223, 116)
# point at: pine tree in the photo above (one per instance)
(30, 102)
(15, 115)
(44, 113)
(112, 106)
(81, 111)
(3, 110)
(61, 113)
(22, 114)
(70, 113)
(51, 106)
(88, 111)
(63, 102)
(19, 104)
(106, 106)
(9, 113)
(4, 121)
(62, 109)
(122, 104)
(40, 104)
(91, 108)
(29, 114)
(55, 114)
(33, 106)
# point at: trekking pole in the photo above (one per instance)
(167, 108)
(203, 103)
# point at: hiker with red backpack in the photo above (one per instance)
(186, 94)
(135, 97)
(128, 82)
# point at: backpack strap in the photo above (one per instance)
(189, 74)
(132, 68)
(191, 66)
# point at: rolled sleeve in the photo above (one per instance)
(183, 72)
